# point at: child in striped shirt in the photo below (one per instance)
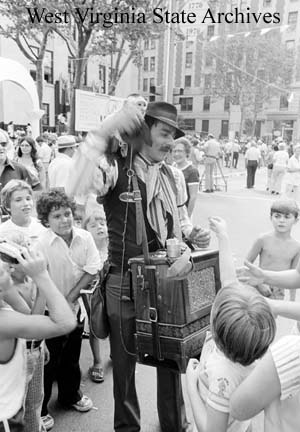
(274, 385)
(242, 328)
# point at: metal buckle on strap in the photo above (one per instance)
(153, 314)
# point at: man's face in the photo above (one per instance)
(21, 205)
(162, 138)
(61, 221)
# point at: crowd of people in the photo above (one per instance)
(69, 210)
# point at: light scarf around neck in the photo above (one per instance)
(161, 199)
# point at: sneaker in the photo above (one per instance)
(84, 404)
(48, 421)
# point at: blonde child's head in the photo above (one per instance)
(95, 223)
(11, 188)
(243, 325)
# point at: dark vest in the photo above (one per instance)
(115, 211)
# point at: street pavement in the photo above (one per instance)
(247, 214)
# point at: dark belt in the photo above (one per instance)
(33, 344)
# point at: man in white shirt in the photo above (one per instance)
(252, 158)
(212, 151)
(58, 171)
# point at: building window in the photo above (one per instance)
(152, 64)
(205, 126)
(188, 81)
(71, 69)
(146, 44)
(48, 66)
(188, 60)
(152, 44)
(224, 128)
(229, 80)
(102, 78)
(186, 103)
(152, 85)
(188, 124)
(283, 103)
(208, 60)
(146, 64)
(293, 17)
(210, 31)
(46, 115)
(145, 84)
(207, 81)
(290, 44)
(226, 103)
(189, 45)
(206, 103)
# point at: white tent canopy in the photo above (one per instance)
(11, 70)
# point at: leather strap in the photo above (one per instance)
(150, 272)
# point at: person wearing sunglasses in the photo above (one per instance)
(9, 169)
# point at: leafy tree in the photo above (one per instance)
(251, 70)
(30, 39)
(119, 40)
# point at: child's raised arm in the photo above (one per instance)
(227, 269)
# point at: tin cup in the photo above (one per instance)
(173, 248)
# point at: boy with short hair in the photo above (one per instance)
(242, 328)
(73, 261)
(277, 250)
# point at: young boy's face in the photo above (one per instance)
(283, 222)
(61, 221)
(97, 227)
(21, 205)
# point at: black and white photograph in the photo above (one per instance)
(149, 215)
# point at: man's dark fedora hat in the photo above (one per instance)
(166, 113)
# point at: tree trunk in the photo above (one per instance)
(76, 85)
(40, 81)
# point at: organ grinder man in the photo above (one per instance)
(150, 138)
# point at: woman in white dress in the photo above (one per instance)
(293, 175)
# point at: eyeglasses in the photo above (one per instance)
(3, 144)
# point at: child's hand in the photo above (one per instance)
(253, 275)
(33, 263)
(192, 373)
(218, 225)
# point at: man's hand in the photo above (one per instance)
(251, 274)
(199, 237)
(218, 225)
(181, 266)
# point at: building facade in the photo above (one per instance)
(192, 66)
(15, 104)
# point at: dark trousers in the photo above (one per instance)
(235, 159)
(171, 410)
(251, 170)
(16, 423)
(64, 367)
